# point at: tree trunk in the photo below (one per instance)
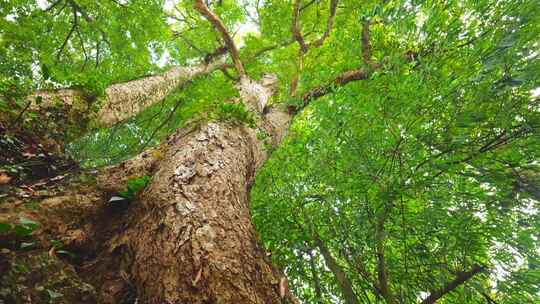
(190, 236)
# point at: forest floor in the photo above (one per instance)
(48, 205)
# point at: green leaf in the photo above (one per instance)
(53, 295)
(5, 227)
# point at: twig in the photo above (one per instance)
(73, 27)
(20, 115)
(53, 5)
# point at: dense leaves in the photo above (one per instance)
(418, 184)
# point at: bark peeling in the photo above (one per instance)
(192, 237)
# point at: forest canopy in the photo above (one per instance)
(409, 171)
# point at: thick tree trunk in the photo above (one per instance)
(190, 237)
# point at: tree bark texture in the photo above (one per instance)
(190, 236)
(127, 99)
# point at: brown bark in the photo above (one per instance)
(190, 236)
(201, 7)
(460, 279)
(296, 31)
(342, 280)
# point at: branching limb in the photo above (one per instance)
(296, 27)
(76, 7)
(296, 31)
(83, 49)
(340, 275)
(71, 31)
(341, 80)
(329, 25)
(202, 8)
(461, 278)
(382, 272)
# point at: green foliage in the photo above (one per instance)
(135, 185)
(234, 112)
(111, 145)
(438, 150)
(22, 228)
(85, 43)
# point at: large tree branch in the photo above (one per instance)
(124, 100)
(201, 7)
(297, 33)
(460, 279)
(340, 275)
(341, 80)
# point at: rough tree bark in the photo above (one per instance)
(191, 237)
(126, 99)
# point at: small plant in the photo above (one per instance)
(234, 112)
(134, 186)
(24, 227)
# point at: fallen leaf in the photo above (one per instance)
(197, 277)
(4, 178)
